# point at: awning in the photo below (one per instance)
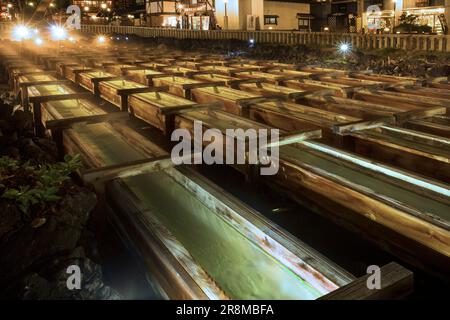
(305, 16)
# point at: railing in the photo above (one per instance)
(362, 41)
(4, 29)
(324, 39)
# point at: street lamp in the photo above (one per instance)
(225, 17)
(103, 6)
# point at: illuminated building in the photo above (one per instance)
(229, 14)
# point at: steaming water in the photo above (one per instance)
(237, 265)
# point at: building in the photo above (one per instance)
(377, 16)
(430, 15)
(193, 14)
(230, 14)
(110, 11)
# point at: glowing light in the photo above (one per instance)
(130, 16)
(38, 41)
(31, 4)
(52, 5)
(101, 39)
(344, 48)
(21, 32)
(326, 29)
(252, 41)
(58, 33)
(386, 29)
(9, 5)
(86, 9)
(36, 31)
(71, 39)
(103, 5)
(109, 10)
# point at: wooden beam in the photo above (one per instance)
(192, 107)
(396, 282)
(68, 96)
(68, 122)
(236, 83)
(245, 102)
(45, 82)
(295, 137)
(132, 168)
(347, 128)
(403, 117)
(195, 73)
(127, 92)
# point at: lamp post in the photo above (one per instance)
(225, 17)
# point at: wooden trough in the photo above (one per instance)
(262, 88)
(412, 150)
(111, 150)
(159, 108)
(243, 246)
(183, 270)
(407, 213)
(142, 75)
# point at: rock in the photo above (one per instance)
(92, 286)
(10, 219)
(31, 151)
(31, 247)
(48, 146)
(30, 287)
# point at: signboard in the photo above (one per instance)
(422, 3)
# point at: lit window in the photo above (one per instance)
(271, 20)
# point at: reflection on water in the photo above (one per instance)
(237, 265)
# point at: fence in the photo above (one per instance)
(362, 41)
(439, 43)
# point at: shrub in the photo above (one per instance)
(36, 187)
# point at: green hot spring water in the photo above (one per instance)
(239, 267)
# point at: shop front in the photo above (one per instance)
(380, 21)
(195, 17)
(429, 16)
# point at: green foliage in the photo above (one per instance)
(43, 183)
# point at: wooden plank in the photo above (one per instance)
(348, 128)
(68, 122)
(396, 283)
(133, 168)
(295, 137)
(403, 117)
(192, 107)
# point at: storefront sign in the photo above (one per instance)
(422, 3)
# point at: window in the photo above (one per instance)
(271, 20)
(303, 22)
